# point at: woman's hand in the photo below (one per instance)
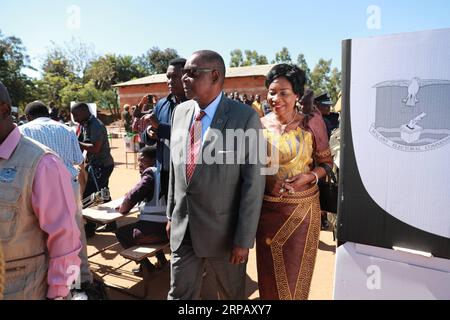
(298, 183)
(277, 188)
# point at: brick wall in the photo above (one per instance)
(132, 94)
(250, 85)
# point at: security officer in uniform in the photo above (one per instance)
(323, 103)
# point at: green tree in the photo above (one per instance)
(102, 72)
(320, 76)
(111, 69)
(334, 86)
(323, 79)
(156, 61)
(237, 59)
(72, 92)
(128, 68)
(252, 58)
(13, 59)
(57, 73)
(56, 63)
(49, 87)
(105, 99)
(283, 56)
(301, 62)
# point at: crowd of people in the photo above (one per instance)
(211, 213)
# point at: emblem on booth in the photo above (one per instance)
(411, 114)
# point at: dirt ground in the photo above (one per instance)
(116, 270)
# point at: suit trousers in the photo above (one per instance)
(186, 274)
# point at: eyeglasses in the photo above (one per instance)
(195, 72)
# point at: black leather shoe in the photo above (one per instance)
(89, 229)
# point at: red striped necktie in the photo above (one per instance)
(194, 146)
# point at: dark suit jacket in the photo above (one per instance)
(163, 112)
(222, 203)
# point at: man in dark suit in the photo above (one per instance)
(158, 124)
(213, 207)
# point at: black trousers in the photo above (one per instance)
(102, 174)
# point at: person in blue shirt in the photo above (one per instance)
(158, 123)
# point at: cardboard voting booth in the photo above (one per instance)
(394, 175)
(131, 143)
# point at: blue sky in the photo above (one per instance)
(314, 28)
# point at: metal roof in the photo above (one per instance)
(251, 71)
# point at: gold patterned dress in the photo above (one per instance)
(289, 227)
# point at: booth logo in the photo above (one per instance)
(412, 115)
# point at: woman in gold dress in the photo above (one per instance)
(289, 228)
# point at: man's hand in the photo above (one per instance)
(151, 132)
(125, 207)
(151, 120)
(138, 111)
(239, 255)
(143, 102)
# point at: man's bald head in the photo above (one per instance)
(213, 60)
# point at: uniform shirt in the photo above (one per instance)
(53, 202)
(332, 122)
(92, 131)
(57, 137)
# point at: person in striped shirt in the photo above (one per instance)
(63, 141)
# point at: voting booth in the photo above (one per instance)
(394, 201)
